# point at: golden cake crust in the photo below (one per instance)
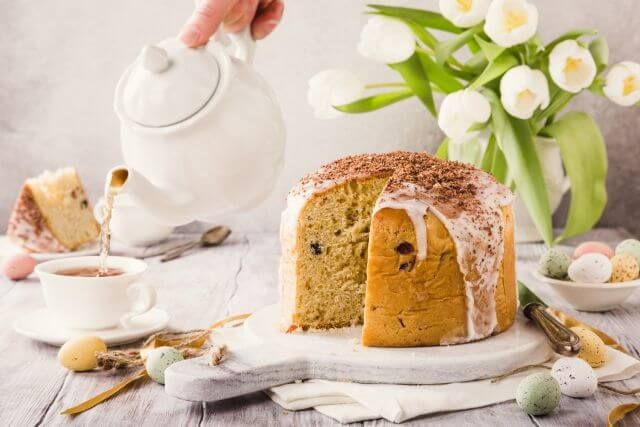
(420, 303)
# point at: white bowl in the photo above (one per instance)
(590, 296)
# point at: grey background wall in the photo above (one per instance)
(60, 61)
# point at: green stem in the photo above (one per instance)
(383, 85)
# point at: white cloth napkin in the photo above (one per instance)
(352, 402)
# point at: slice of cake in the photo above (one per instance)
(418, 250)
(53, 213)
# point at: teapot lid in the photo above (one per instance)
(169, 83)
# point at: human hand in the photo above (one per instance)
(262, 15)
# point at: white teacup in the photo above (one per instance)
(96, 302)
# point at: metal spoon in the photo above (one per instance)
(211, 237)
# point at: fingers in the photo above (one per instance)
(268, 17)
(238, 19)
(205, 21)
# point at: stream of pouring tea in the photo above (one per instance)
(105, 231)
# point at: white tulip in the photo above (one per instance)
(571, 66)
(511, 22)
(622, 85)
(464, 13)
(386, 40)
(333, 87)
(461, 110)
(523, 91)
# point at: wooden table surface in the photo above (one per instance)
(240, 276)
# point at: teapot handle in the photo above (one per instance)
(239, 45)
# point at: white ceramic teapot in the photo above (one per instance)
(202, 134)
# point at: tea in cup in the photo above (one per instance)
(81, 297)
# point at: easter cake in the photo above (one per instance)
(418, 250)
(52, 213)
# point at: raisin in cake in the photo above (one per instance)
(418, 250)
(53, 214)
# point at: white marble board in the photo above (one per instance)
(274, 358)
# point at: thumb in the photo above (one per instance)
(204, 21)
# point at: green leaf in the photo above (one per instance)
(425, 18)
(600, 51)
(422, 34)
(515, 140)
(477, 63)
(438, 75)
(495, 69)
(571, 35)
(412, 72)
(487, 158)
(494, 162)
(447, 48)
(558, 101)
(474, 47)
(375, 102)
(491, 50)
(597, 87)
(443, 150)
(585, 159)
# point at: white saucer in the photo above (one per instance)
(41, 325)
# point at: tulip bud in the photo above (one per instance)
(571, 66)
(386, 40)
(459, 111)
(511, 22)
(464, 13)
(622, 84)
(523, 91)
(333, 87)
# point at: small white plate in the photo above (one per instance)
(590, 296)
(41, 325)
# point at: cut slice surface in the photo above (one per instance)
(332, 244)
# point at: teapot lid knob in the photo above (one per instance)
(155, 59)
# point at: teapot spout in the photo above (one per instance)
(158, 203)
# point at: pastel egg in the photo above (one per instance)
(624, 268)
(159, 359)
(554, 263)
(575, 377)
(538, 394)
(18, 267)
(593, 248)
(629, 247)
(592, 349)
(590, 268)
(79, 354)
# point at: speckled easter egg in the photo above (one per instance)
(575, 377)
(624, 268)
(590, 268)
(592, 349)
(554, 263)
(79, 354)
(538, 394)
(592, 248)
(18, 267)
(159, 359)
(629, 247)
